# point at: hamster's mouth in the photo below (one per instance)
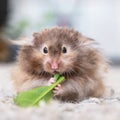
(54, 72)
(67, 74)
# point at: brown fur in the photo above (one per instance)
(83, 65)
(4, 49)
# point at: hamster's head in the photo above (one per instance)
(57, 49)
(54, 50)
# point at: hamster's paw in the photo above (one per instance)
(51, 81)
(57, 89)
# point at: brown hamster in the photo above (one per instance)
(68, 53)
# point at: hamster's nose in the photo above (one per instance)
(54, 66)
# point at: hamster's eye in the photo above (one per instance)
(45, 50)
(64, 50)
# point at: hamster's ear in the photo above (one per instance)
(37, 38)
(23, 41)
(85, 41)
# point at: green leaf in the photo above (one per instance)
(32, 97)
(56, 76)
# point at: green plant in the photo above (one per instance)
(34, 96)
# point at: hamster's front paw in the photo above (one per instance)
(51, 81)
(57, 89)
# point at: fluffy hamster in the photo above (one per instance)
(68, 53)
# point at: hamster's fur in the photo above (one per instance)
(67, 52)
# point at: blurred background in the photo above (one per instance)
(97, 19)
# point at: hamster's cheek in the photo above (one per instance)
(69, 59)
(47, 67)
(38, 54)
(65, 65)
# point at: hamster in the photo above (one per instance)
(67, 52)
